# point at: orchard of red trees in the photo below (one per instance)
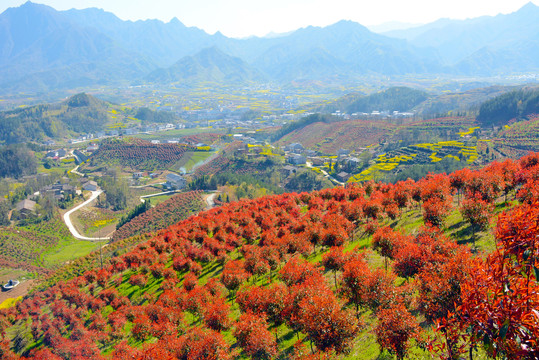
(286, 276)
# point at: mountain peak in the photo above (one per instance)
(175, 21)
(83, 100)
(28, 6)
(530, 6)
(348, 25)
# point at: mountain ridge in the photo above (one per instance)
(457, 40)
(47, 49)
(208, 65)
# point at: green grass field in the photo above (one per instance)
(155, 200)
(191, 159)
(68, 251)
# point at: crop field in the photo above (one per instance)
(180, 134)
(451, 122)
(523, 135)
(418, 154)
(40, 247)
(156, 200)
(93, 221)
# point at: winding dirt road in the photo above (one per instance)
(72, 228)
(210, 200)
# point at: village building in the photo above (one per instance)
(175, 181)
(60, 153)
(316, 161)
(92, 148)
(297, 159)
(90, 186)
(288, 170)
(26, 208)
(353, 162)
(295, 147)
(343, 176)
(58, 191)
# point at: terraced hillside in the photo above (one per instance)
(138, 154)
(330, 137)
(40, 247)
(176, 208)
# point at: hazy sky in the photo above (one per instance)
(241, 18)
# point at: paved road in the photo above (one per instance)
(69, 224)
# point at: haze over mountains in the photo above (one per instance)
(41, 48)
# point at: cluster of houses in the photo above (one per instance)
(56, 154)
(60, 191)
(296, 154)
(386, 114)
(234, 117)
(62, 153)
(246, 139)
(120, 132)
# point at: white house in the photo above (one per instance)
(175, 181)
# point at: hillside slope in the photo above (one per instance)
(82, 113)
(330, 137)
(284, 276)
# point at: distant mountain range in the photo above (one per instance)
(484, 46)
(42, 49)
(209, 65)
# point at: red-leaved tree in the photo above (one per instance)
(396, 326)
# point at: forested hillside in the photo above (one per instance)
(513, 105)
(361, 272)
(81, 113)
(393, 99)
